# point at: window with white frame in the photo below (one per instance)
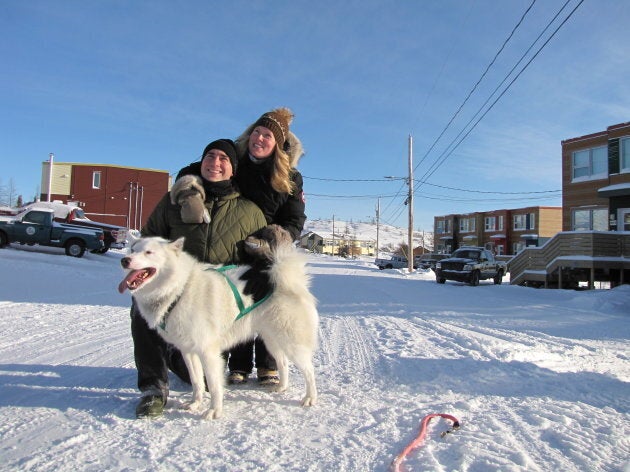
(96, 179)
(590, 219)
(525, 221)
(520, 222)
(590, 164)
(500, 227)
(624, 152)
(490, 223)
(467, 225)
(443, 226)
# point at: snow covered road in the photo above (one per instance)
(538, 378)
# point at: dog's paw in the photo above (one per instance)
(309, 401)
(278, 388)
(193, 405)
(212, 414)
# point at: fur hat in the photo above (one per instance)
(278, 121)
(227, 146)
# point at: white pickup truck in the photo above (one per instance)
(395, 262)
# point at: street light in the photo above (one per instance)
(409, 202)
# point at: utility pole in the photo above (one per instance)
(378, 216)
(333, 234)
(410, 203)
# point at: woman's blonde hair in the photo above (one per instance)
(281, 175)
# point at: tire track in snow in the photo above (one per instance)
(347, 348)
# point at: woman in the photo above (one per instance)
(268, 155)
(209, 212)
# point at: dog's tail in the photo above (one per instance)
(288, 273)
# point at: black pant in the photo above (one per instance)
(241, 357)
(154, 357)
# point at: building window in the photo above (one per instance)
(500, 228)
(625, 154)
(520, 222)
(96, 179)
(593, 219)
(467, 225)
(443, 226)
(490, 223)
(590, 164)
(523, 222)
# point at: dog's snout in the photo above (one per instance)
(125, 261)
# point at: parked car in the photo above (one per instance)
(37, 226)
(427, 261)
(470, 265)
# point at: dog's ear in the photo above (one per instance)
(178, 244)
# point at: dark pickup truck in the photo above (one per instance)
(37, 226)
(115, 236)
(470, 265)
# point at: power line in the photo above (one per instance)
(431, 185)
(442, 158)
(476, 84)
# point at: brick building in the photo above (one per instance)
(505, 232)
(596, 181)
(118, 195)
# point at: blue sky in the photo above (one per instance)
(150, 83)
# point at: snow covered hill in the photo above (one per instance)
(390, 237)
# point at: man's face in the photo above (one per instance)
(216, 166)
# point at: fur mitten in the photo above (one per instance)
(188, 192)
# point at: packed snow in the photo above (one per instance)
(539, 379)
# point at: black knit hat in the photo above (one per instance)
(227, 146)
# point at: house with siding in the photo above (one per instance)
(337, 244)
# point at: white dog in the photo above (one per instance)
(195, 307)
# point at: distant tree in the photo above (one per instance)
(20, 202)
(7, 193)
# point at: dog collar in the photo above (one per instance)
(162, 325)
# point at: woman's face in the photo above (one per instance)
(216, 166)
(262, 142)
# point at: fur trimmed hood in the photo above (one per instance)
(293, 145)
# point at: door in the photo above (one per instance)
(623, 219)
(34, 227)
